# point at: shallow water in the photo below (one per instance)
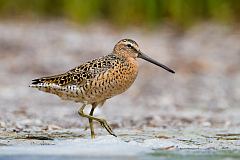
(108, 147)
(160, 155)
(197, 155)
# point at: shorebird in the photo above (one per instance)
(93, 82)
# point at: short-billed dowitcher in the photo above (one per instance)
(98, 80)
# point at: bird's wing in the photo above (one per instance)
(82, 73)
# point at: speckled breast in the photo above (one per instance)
(112, 82)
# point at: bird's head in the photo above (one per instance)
(129, 48)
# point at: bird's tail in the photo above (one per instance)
(38, 82)
(49, 81)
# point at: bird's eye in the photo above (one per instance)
(129, 45)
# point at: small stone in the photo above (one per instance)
(162, 136)
(53, 127)
(2, 124)
(206, 124)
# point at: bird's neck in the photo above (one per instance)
(123, 55)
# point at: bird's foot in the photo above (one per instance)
(104, 124)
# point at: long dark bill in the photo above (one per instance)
(145, 57)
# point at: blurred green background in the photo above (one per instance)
(182, 13)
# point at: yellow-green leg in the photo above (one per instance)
(91, 122)
(103, 122)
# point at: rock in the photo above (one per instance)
(53, 127)
(206, 124)
(2, 124)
